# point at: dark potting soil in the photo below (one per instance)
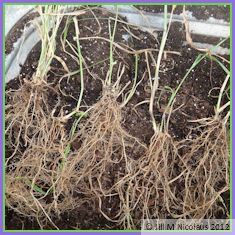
(220, 12)
(193, 101)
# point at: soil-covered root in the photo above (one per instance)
(27, 111)
(148, 193)
(105, 157)
(37, 143)
(205, 161)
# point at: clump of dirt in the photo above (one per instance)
(117, 170)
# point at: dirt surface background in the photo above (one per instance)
(199, 12)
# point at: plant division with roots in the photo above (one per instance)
(148, 186)
(36, 138)
(205, 163)
(104, 159)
